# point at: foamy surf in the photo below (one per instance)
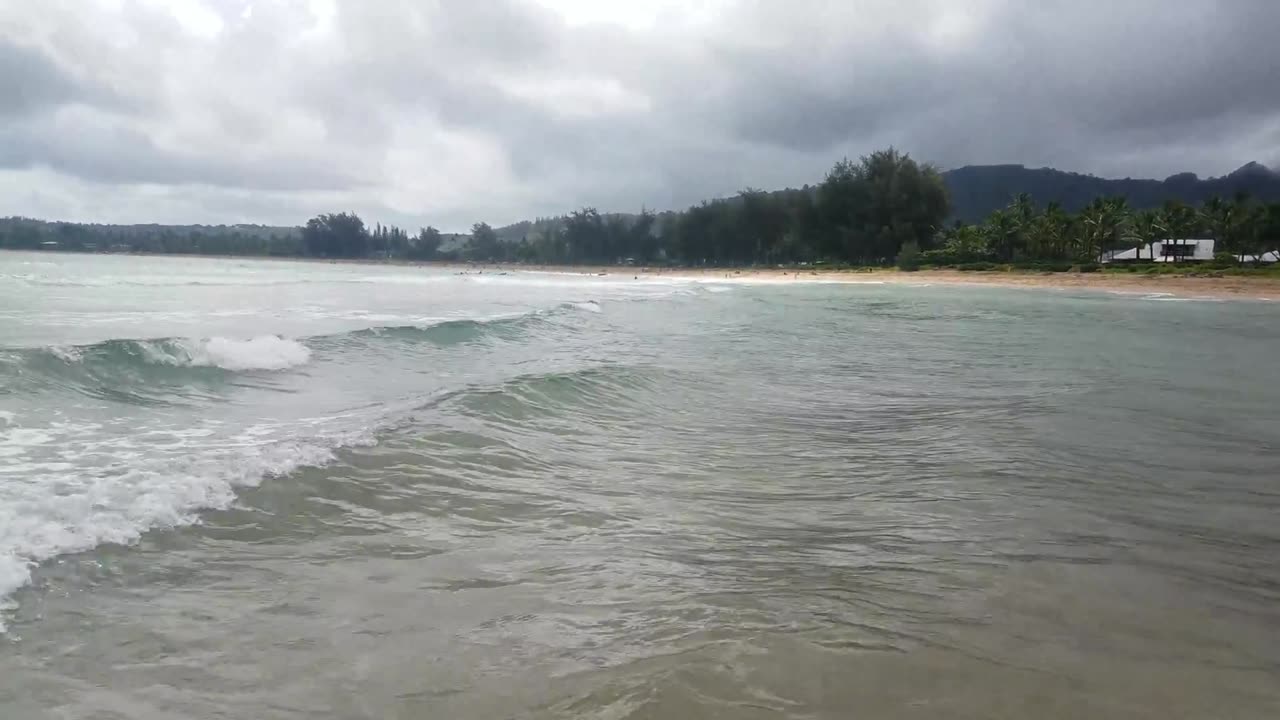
(117, 499)
(266, 352)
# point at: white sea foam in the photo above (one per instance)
(15, 440)
(68, 354)
(51, 510)
(400, 279)
(1163, 296)
(266, 352)
(1198, 298)
(588, 305)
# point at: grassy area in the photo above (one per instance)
(1209, 269)
(1186, 269)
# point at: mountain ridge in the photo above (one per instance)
(976, 190)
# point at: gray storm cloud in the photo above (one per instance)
(457, 111)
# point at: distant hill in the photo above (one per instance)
(976, 190)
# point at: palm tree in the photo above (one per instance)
(1180, 221)
(1106, 224)
(1219, 218)
(1001, 230)
(1122, 217)
(1047, 233)
(965, 241)
(1268, 231)
(1094, 222)
(1023, 211)
(1148, 227)
(1249, 229)
(1244, 223)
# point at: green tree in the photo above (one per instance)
(585, 236)
(966, 243)
(1002, 233)
(1052, 233)
(1104, 226)
(643, 244)
(336, 235)
(870, 208)
(763, 221)
(426, 245)
(1181, 221)
(1148, 227)
(1222, 219)
(484, 245)
(1260, 231)
(1023, 211)
(909, 256)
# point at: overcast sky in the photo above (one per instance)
(452, 111)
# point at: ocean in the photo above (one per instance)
(273, 490)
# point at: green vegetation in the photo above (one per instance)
(27, 234)
(1022, 236)
(881, 210)
(861, 214)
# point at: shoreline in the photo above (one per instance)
(1233, 287)
(1230, 287)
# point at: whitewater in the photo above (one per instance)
(80, 474)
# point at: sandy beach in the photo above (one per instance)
(1255, 287)
(1226, 287)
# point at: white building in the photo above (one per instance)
(1266, 257)
(1189, 250)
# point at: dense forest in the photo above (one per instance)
(882, 209)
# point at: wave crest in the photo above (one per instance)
(144, 370)
(126, 362)
(265, 352)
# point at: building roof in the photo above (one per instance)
(1266, 257)
(1202, 250)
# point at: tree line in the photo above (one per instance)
(1023, 232)
(18, 233)
(863, 213)
(882, 209)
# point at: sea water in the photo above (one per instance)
(271, 489)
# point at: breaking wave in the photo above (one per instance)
(123, 360)
(71, 483)
(113, 358)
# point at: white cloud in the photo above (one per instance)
(640, 14)
(195, 16)
(454, 111)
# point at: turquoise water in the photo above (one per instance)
(255, 489)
